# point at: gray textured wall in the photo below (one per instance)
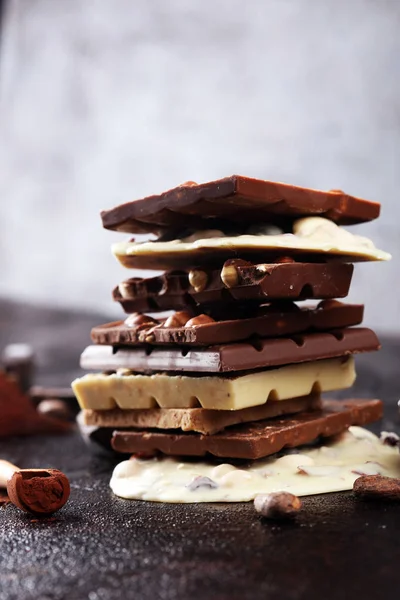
(105, 101)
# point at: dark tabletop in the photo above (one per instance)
(102, 547)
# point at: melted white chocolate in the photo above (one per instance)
(311, 234)
(313, 470)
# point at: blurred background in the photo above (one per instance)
(102, 102)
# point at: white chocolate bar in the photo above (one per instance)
(311, 235)
(332, 467)
(99, 391)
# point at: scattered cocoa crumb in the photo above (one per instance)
(377, 487)
(277, 505)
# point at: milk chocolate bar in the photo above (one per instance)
(235, 199)
(257, 439)
(202, 330)
(201, 420)
(239, 356)
(99, 391)
(256, 283)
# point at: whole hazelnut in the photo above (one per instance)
(277, 505)
(199, 320)
(179, 319)
(198, 280)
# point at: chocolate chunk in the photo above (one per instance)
(55, 408)
(19, 416)
(239, 356)
(257, 283)
(255, 440)
(275, 322)
(19, 362)
(234, 200)
(38, 393)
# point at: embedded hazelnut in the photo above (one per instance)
(198, 280)
(327, 304)
(138, 319)
(237, 262)
(124, 289)
(277, 505)
(188, 184)
(199, 320)
(229, 275)
(336, 191)
(150, 338)
(179, 319)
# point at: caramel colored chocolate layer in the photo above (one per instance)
(274, 322)
(200, 420)
(255, 283)
(235, 199)
(239, 356)
(259, 439)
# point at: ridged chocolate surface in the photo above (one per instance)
(200, 420)
(273, 323)
(235, 199)
(256, 283)
(257, 439)
(239, 356)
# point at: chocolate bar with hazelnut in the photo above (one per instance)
(202, 330)
(234, 200)
(238, 356)
(257, 439)
(237, 281)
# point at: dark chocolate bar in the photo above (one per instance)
(240, 356)
(255, 283)
(235, 199)
(257, 439)
(272, 322)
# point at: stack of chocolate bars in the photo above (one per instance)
(237, 369)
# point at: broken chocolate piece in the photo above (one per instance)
(240, 356)
(235, 199)
(257, 284)
(255, 440)
(204, 331)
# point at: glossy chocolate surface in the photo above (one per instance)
(257, 439)
(256, 284)
(271, 321)
(235, 199)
